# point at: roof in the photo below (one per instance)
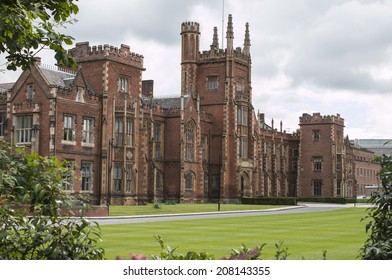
(167, 103)
(4, 87)
(57, 77)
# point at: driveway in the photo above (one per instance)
(302, 208)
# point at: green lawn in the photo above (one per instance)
(340, 232)
(149, 209)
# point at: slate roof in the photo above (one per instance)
(4, 87)
(57, 78)
(167, 103)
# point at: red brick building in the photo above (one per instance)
(366, 172)
(128, 147)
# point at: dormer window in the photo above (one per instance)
(123, 84)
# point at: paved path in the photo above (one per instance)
(303, 208)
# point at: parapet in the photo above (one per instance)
(83, 52)
(317, 118)
(190, 27)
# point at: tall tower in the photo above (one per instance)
(189, 56)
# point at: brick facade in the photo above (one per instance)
(208, 144)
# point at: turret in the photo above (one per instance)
(190, 52)
(215, 40)
(246, 50)
(230, 35)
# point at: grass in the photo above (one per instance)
(306, 235)
(149, 209)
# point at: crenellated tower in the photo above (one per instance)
(190, 34)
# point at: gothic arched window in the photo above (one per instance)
(190, 141)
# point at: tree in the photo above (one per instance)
(35, 211)
(28, 26)
(378, 246)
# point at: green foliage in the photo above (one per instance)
(243, 253)
(378, 246)
(35, 211)
(168, 253)
(27, 26)
(270, 200)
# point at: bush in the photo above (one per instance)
(378, 246)
(337, 200)
(35, 221)
(270, 200)
(243, 253)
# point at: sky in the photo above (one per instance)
(327, 56)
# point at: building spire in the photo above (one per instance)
(247, 45)
(215, 40)
(230, 34)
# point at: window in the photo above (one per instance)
(79, 94)
(317, 164)
(240, 86)
(68, 177)
(117, 176)
(157, 140)
(87, 175)
(3, 117)
(339, 162)
(189, 142)
(118, 132)
(189, 181)
(316, 135)
(23, 129)
(243, 149)
(212, 83)
(339, 188)
(129, 178)
(206, 183)
(69, 128)
(242, 115)
(88, 130)
(317, 190)
(159, 181)
(123, 84)
(129, 133)
(30, 92)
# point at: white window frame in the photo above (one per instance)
(69, 128)
(87, 176)
(88, 131)
(123, 84)
(23, 129)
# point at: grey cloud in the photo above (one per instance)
(341, 43)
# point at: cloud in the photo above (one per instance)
(308, 56)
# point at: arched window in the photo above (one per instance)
(190, 141)
(189, 181)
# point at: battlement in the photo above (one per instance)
(190, 27)
(210, 55)
(84, 52)
(317, 118)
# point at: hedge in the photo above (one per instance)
(270, 200)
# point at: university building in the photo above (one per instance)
(126, 146)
